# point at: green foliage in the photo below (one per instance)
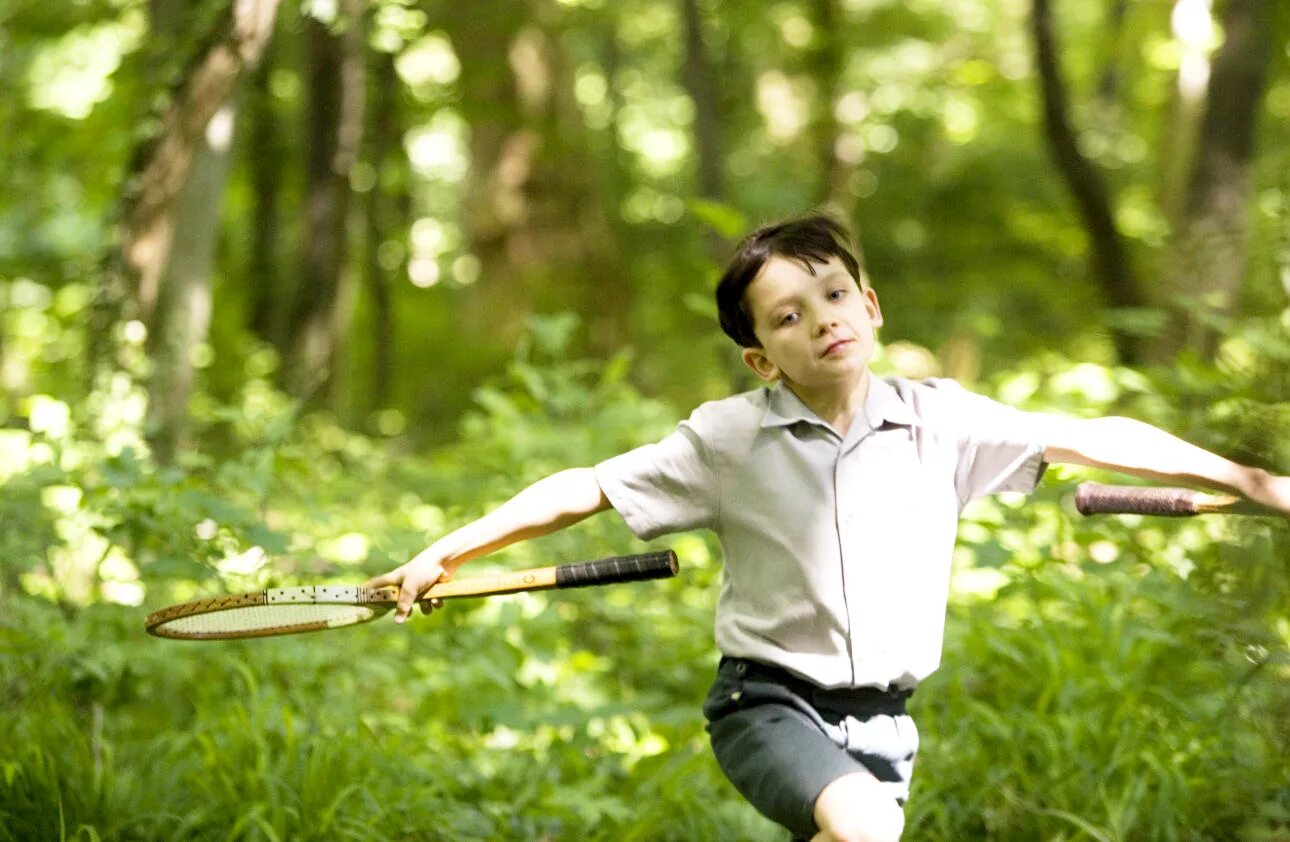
(1115, 679)
(1111, 701)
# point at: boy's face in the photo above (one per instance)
(816, 331)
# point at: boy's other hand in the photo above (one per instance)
(412, 580)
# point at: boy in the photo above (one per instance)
(835, 495)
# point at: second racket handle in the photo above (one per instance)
(1092, 498)
(608, 571)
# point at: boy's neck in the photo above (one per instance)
(838, 406)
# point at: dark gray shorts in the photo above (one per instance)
(781, 740)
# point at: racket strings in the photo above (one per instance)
(268, 619)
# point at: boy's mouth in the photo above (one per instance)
(834, 347)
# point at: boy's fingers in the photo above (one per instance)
(391, 578)
(407, 596)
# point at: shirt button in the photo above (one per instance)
(736, 696)
(741, 668)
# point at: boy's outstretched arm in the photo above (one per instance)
(546, 506)
(1141, 450)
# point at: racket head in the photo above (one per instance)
(272, 612)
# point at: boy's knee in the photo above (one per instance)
(857, 808)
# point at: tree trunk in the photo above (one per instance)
(495, 202)
(578, 239)
(171, 215)
(533, 211)
(700, 81)
(1187, 106)
(1110, 259)
(1109, 81)
(266, 164)
(160, 166)
(334, 92)
(386, 206)
(182, 315)
(1209, 253)
(826, 65)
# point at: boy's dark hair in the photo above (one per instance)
(808, 240)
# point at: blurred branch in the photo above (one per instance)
(1110, 258)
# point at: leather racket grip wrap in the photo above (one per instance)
(1092, 499)
(609, 571)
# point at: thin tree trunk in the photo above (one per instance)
(583, 247)
(353, 72)
(334, 91)
(182, 315)
(1187, 106)
(826, 64)
(266, 164)
(700, 81)
(1210, 250)
(1108, 85)
(699, 76)
(384, 209)
(4, 319)
(1110, 258)
(171, 219)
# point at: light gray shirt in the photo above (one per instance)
(837, 548)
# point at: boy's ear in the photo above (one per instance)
(871, 304)
(756, 359)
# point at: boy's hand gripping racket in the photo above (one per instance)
(279, 611)
(1093, 498)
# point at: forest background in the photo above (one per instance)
(288, 289)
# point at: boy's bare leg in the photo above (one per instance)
(857, 808)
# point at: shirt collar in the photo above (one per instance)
(882, 405)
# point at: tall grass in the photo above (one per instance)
(1100, 705)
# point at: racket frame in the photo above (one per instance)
(375, 601)
(372, 603)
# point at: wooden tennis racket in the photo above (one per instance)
(1093, 498)
(280, 611)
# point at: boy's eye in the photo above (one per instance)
(788, 318)
(837, 293)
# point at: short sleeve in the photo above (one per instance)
(1001, 448)
(669, 486)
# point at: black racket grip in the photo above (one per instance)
(609, 571)
(1093, 498)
